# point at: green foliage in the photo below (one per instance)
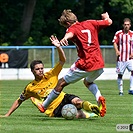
(45, 41)
(126, 6)
(29, 42)
(27, 118)
(46, 14)
(121, 9)
(5, 44)
(11, 13)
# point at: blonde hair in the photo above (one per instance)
(67, 16)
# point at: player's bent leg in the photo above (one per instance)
(101, 100)
(102, 106)
(54, 93)
(90, 107)
(87, 106)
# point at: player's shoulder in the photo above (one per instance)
(53, 71)
(119, 32)
(31, 83)
(57, 67)
(92, 22)
(89, 21)
(28, 86)
(131, 31)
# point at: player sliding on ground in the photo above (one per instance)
(84, 108)
(90, 63)
(41, 86)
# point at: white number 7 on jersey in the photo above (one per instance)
(89, 35)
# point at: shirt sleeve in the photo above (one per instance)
(24, 95)
(57, 68)
(99, 24)
(115, 39)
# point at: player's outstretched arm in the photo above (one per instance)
(15, 105)
(67, 36)
(55, 42)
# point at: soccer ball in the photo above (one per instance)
(69, 111)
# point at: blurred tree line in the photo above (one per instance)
(32, 22)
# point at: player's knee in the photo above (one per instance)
(60, 85)
(86, 83)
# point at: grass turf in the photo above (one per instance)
(28, 119)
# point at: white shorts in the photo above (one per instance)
(75, 74)
(123, 65)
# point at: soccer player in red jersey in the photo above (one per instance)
(123, 45)
(90, 63)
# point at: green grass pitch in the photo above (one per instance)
(27, 119)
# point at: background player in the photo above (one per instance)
(123, 45)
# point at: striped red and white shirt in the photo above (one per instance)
(125, 44)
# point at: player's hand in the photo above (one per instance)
(118, 53)
(105, 15)
(131, 55)
(55, 41)
(1, 116)
(64, 42)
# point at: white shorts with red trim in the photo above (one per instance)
(123, 65)
(75, 74)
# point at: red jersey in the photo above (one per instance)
(86, 40)
(124, 42)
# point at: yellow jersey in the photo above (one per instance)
(40, 89)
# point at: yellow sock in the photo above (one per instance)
(86, 106)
